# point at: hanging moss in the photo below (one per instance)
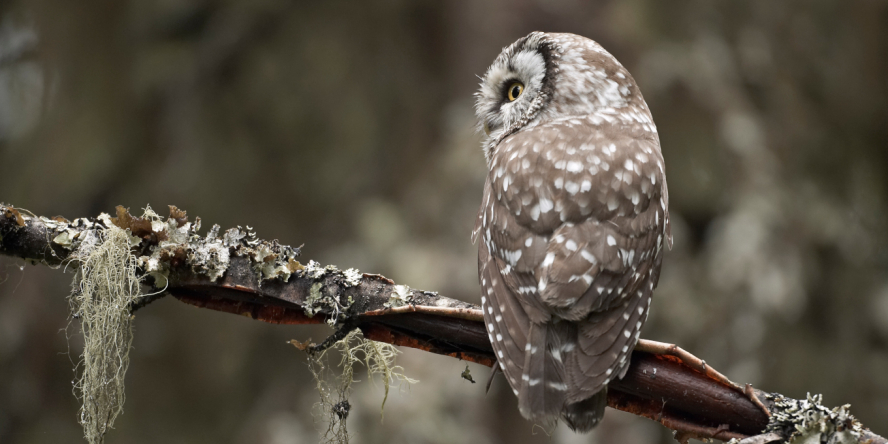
(334, 407)
(104, 289)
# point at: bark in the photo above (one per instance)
(664, 382)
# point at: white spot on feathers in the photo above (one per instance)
(560, 386)
(535, 212)
(545, 205)
(574, 166)
(571, 187)
(549, 260)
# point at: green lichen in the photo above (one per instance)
(352, 277)
(325, 299)
(401, 296)
(315, 301)
(807, 421)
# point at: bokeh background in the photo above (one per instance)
(348, 126)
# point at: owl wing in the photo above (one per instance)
(572, 225)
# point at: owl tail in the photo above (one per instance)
(586, 414)
(543, 387)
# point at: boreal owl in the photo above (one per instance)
(573, 222)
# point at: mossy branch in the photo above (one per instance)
(236, 272)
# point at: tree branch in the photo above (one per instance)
(235, 272)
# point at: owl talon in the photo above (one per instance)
(493, 371)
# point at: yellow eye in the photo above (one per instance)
(515, 90)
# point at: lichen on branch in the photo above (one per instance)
(262, 280)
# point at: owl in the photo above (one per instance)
(572, 225)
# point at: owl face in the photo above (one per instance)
(515, 88)
(512, 87)
(546, 76)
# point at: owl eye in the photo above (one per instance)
(515, 90)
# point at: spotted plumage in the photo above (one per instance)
(572, 225)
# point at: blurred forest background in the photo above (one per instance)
(349, 127)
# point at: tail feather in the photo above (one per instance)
(544, 385)
(586, 414)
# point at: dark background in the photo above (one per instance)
(348, 126)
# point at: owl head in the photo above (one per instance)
(547, 76)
